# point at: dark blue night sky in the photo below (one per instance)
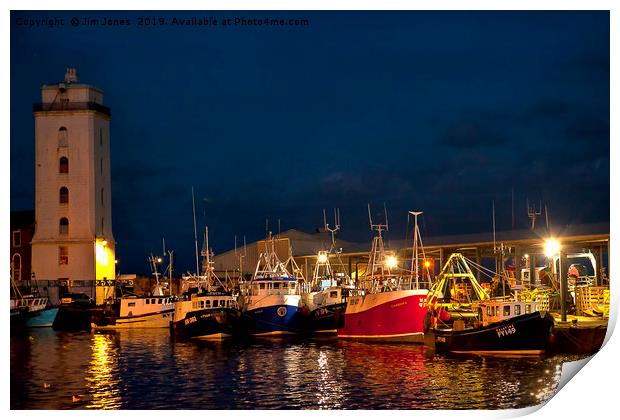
(435, 111)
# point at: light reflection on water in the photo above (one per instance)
(102, 375)
(148, 370)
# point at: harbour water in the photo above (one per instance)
(147, 369)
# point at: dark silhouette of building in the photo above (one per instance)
(22, 230)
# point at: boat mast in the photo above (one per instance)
(195, 233)
(377, 260)
(415, 259)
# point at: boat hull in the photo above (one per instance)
(575, 339)
(72, 317)
(44, 318)
(326, 319)
(209, 324)
(159, 319)
(524, 334)
(274, 320)
(395, 316)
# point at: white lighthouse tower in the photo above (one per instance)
(73, 239)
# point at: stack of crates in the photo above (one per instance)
(543, 300)
(592, 300)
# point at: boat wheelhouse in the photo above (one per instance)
(210, 316)
(136, 312)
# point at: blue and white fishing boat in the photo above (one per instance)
(271, 301)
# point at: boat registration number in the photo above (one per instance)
(505, 330)
(190, 320)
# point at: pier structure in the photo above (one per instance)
(73, 242)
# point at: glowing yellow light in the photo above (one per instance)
(159, 259)
(526, 256)
(322, 258)
(104, 242)
(391, 261)
(427, 264)
(552, 247)
(100, 254)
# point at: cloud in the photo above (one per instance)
(470, 134)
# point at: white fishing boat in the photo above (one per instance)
(153, 311)
(330, 287)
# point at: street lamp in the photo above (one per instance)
(391, 261)
(552, 247)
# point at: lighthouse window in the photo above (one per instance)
(63, 255)
(62, 137)
(63, 166)
(64, 195)
(63, 228)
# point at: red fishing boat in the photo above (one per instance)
(392, 307)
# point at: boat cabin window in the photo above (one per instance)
(517, 309)
(207, 303)
(222, 303)
(261, 286)
(506, 310)
(159, 301)
(333, 294)
(201, 304)
(528, 309)
(276, 285)
(131, 304)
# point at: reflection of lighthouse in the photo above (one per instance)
(73, 239)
